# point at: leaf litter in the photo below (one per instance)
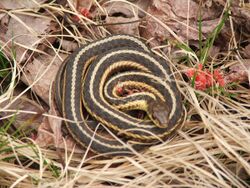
(211, 150)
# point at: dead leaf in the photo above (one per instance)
(69, 46)
(117, 26)
(55, 125)
(239, 72)
(2, 15)
(50, 134)
(213, 51)
(175, 14)
(4, 18)
(122, 17)
(143, 5)
(84, 4)
(23, 121)
(238, 170)
(24, 32)
(123, 9)
(246, 51)
(17, 4)
(44, 136)
(120, 8)
(46, 65)
(241, 16)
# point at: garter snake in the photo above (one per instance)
(88, 81)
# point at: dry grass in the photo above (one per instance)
(212, 150)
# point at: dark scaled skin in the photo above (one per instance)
(158, 112)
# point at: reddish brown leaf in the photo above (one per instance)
(246, 51)
(84, 4)
(120, 28)
(17, 4)
(42, 71)
(175, 15)
(69, 46)
(24, 31)
(27, 113)
(239, 72)
(123, 17)
(50, 134)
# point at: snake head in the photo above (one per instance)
(158, 112)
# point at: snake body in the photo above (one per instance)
(88, 81)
